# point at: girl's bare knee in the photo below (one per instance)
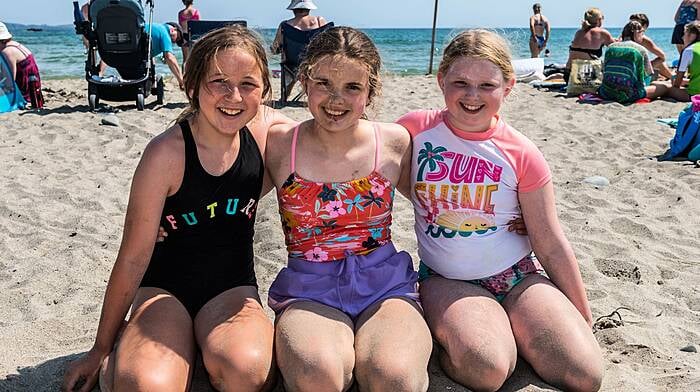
(479, 371)
(245, 370)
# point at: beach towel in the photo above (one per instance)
(527, 70)
(687, 135)
(10, 95)
(624, 74)
(586, 76)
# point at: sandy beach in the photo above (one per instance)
(66, 180)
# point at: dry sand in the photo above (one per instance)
(65, 187)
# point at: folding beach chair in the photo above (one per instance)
(197, 28)
(294, 42)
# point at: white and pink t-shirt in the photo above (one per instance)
(464, 189)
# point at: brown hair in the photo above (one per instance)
(630, 28)
(349, 43)
(481, 44)
(590, 18)
(204, 53)
(693, 27)
(641, 18)
(187, 2)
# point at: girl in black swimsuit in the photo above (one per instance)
(201, 179)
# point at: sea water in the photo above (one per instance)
(60, 52)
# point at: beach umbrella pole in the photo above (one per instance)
(432, 42)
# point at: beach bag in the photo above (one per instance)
(10, 95)
(687, 135)
(623, 75)
(586, 76)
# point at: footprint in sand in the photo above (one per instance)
(619, 269)
(627, 226)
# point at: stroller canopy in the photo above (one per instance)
(97, 6)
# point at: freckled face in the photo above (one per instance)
(474, 90)
(338, 92)
(231, 93)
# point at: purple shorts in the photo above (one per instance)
(350, 285)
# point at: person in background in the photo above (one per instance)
(627, 70)
(302, 20)
(659, 63)
(688, 64)
(163, 36)
(85, 10)
(687, 12)
(23, 66)
(540, 32)
(185, 15)
(589, 40)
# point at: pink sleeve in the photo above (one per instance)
(528, 162)
(420, 120)
(195, 15)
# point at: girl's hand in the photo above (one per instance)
(82, 373)
(517, 225)
(162, 234)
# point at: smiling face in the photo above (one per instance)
(338, 92)
(231, 92)
(474, 90)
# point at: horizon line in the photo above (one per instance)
(384, 27)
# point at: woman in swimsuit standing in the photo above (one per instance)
(539, 24)
(687, 12)
(589, 40)
(185, 15)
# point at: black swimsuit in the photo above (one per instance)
(209, 221)
(594, 53)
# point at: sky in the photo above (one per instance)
(374, 13)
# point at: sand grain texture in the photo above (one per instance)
(65, 187)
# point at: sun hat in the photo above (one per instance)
(302, 4)
(4, 33)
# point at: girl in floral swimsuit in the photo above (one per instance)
(335, 177)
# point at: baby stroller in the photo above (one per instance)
(116, 30)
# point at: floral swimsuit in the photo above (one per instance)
(324, 221)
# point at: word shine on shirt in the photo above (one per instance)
(464, 189)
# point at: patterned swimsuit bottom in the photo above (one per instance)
(503, 282)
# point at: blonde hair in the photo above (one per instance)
(348, 43)
(481, 44)
(204, 53)
(590, 18)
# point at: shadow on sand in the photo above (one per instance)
(103, 108)
(47, 377)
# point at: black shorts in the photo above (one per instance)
(677, 37)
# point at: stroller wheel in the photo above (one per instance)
(93, 101)
(139, 102)
(160, 91)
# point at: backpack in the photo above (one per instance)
(687, 135)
